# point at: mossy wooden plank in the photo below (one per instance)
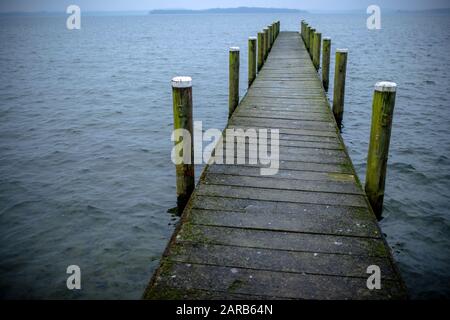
(292, 241)
(182, 276)
(274, 182)
(282, 174)
(355, 224)
(284, 124)
(282, 195)
(299, 132)
(308, 166)
(285, 141)
(280, 260)
(283, 116)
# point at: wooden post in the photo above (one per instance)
(182, 119)
(270, 36)
(316, 49)
(311, 41)
(251, 60)
(339, 85)
(326, 62)
(273, 36)
(266, 43)
(302, 29)
(233, 83)
(260, 50)
(380, 135)
(307, 31)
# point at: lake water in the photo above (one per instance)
(85, 124)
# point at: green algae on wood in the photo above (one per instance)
(380, 134)
(233, 82)
(339, 85)
(260, 50)
(316, 49)
(326, 53)
(251, 60)
(183, 131)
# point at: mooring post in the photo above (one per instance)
(339, 85)
(307, 31)
(380, 135)
(251, 60)
(260, 50)
(311, 41)
(326, 52)
(233, 91)
(302, 29)
(182, 119)
(274, 35)
(266, 43)
(316, 49)
(270, 38)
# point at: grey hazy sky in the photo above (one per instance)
(131, 5)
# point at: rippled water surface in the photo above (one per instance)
(85, 123)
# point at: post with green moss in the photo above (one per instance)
(311, 41)
(183, 131)
(251, 60)
(380, 135)
(307, 31)
(273, 35)
(316, 49)
(266, 43)
(339, 85)
(233, 84)
(302, 30)
(326, 52)
(260, 50)
(269, 37)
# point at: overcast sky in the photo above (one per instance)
(132, 5)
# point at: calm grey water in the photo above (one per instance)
(85, 123)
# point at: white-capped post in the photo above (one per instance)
(233, 85)
(380, 136)
(183, 135)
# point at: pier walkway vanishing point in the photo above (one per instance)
(307, 232)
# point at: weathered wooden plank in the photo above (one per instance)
(183, 276)
(280, 260)
(284, 124)
(352, 223)
(282, 195)
(282, 174)
(282, 240)
(273, 182)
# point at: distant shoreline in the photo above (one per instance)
(227, 10)
(240, 10)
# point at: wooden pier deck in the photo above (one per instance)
(305, 233)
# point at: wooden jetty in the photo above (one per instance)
(307, 232)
